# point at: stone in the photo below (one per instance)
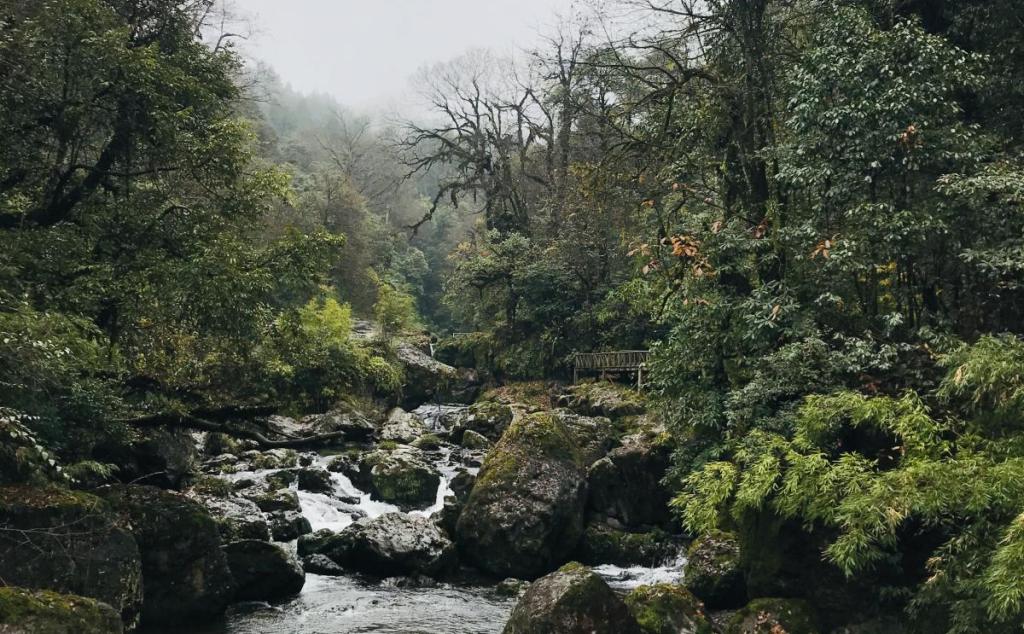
(315, 480)
(603, 544)
(160, 457)
(25, 611)
(773, 616)
(402, 477)
(489, 419)
(269, 501)
(275, 459)
(461, 484)
(321, 565)
(69, 542)
(426, 379)
(603, 398)
(668, 609)
(263, 571)
(571, 600)
(594, 435)
(282, 479)
(345, 418)
(626, 484)
(524, 516)
(474, 441)
(713, 571)
(237, 518)
(185, 572)
(286, 526)
(402, 427)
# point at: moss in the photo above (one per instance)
(44, 612)
(713, 570)
(16, 497)
(427, 442)
(774, 616)
(213, 486)
(667, 609)
(602, 544)
(388, 445)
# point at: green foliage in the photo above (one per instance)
(394, 311)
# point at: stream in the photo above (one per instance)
(352, 604)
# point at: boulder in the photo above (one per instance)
(668, 609)
(603, 544)
(270, 501)
(275, 459)
(773, 616)
(344, 418)
(263, 571)
(315, 480)
(217, 444)
(571, 600)
(603, 398)
(391, 544)
(185, 572)
(426, 379)
(402, 427)
(25, 611)
(237, 518)
(474, 441)
(524, 515)
(401, 477)
(70, 542)
(160, 457)
(286, 526)
(713, 571)
(321, 565)
(281, 479)
(428, 442)
(594, 435)
(489, 419)
(461, 484)
(626, 484)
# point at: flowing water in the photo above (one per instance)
(352, 605)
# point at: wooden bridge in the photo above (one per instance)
(617, 361)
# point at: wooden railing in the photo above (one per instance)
(619, 360)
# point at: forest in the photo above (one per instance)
(259, 346)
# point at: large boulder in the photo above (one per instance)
(774, 616)
(273, 459)
(713, 570)
(489, 419)
(603, 399)
(427, 379)
(263, 571)
(160, 456)
(401, 476)
(286, 526)
(237, 518)
(71, 542)
(315, 480)
(603, 544)
(25, 611)
(186, 574)
(668, 609)
(270, 501)
(402, 427)
(594, 436)
(345, 418)
(388, 545)
(572, 600)
(626, 484)
(524, 515)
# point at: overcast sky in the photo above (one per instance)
(364, 51)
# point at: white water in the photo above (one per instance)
(626, 579)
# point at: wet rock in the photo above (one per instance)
(772, 616)
(511, 587)
(571, 600)
(473, 441)
(402, 427)
(281, 479)
(427, 442)
(315, 480)
(286, 526)
(25, 611)
(71, 542)
(237, 518)
(524, 515)
(392, 544)
(401, 477)
(275, 459)
(186, 575)
(448, 516)
(345, 418)
(306, 459)
(426, 379)
(603, 398)
(270, 501)
(668, 609)
(321, 565)
(461, 484)
(626, 484)
(602, 544)
(489, 419)
(263, 571)
(713, 571)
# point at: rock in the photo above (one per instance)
(160, 457)
(602, 544)
(594, 435)
(472, 440)
(668, 609)
(270, 501)
(345, 418)
(263, 571)
(321, 565)
(402, 427)
(282, 479)
(489, 419)
(603, 398)
(275, 459)
(713, 571)
(186, 575)
(626, 484)
(461, 484)
(391, 544)
(426, 379)
(25, 611)
(402, 477)
(286, 526)
(427, 442)
(70, 542)
(237, 518)
(572, 600)
(773, 616)
(217, 444)
(524, 515)
(448, 516)
(315, 480)
(511, 587)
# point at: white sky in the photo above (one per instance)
(363, 52)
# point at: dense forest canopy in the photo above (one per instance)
(812, 213)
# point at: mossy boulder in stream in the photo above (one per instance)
(25, 611)
(402, 427)
(69, 541)
(571, 600)
(236, 517)
(400, 476)
(524, 515)
(263, 571)
(774, 616)
(668, 609)
(713, 571)
(626, 484)
(603, 544)
(489, 419)
(185, 572)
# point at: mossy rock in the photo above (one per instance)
(401, 477)
(72, 542)
(627, 484)
(474, 441)
(774, 616)
(275, 459)
(488, 419)
(25, 611)
(571, 600)
(602, 544)
(603, 398)
(713, 571)
(428, 442)
(263, 571)
(270, 501)
(668, 609)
